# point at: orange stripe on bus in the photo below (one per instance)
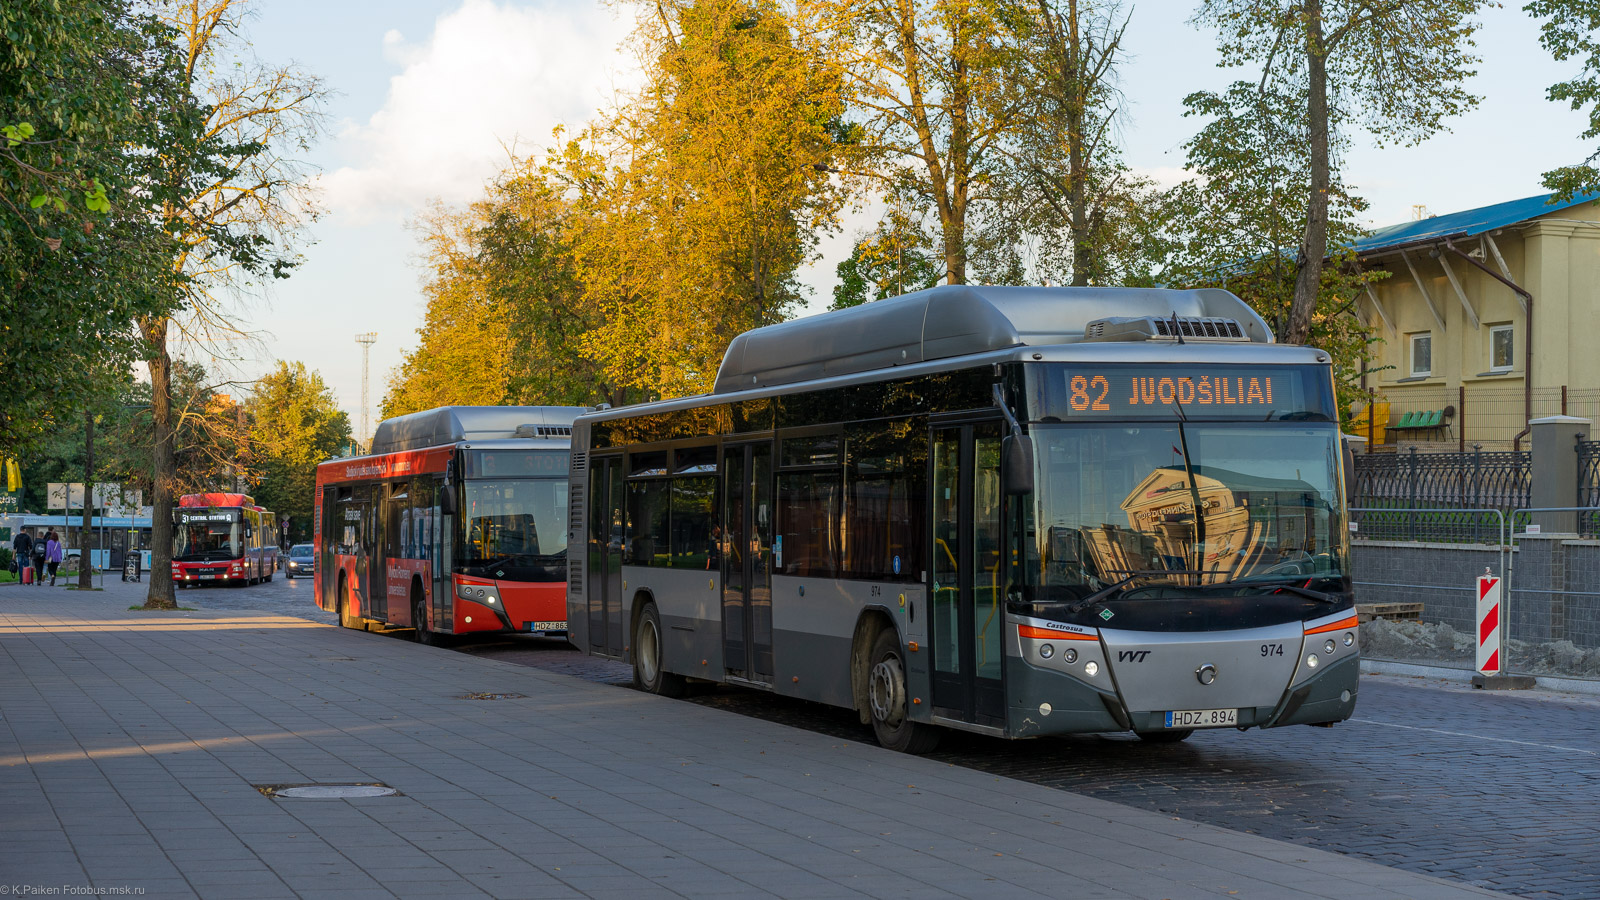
(1334, 626)
(1045, 634)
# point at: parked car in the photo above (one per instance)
(300, 561)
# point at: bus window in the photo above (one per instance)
(648, 505)
(808, 522)
(693, 517)
(883, 532)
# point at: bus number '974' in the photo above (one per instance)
(1271, 649)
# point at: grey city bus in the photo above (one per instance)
(1007, 510)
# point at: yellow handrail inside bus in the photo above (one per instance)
(994, 607)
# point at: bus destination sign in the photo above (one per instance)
(1163, 391)
(518, 463)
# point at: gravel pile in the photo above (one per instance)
(1437, 642)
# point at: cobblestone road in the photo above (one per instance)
(1497, 790)
(285, 596)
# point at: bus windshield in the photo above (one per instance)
(1118, 503)
(195, 541)
(516, 529)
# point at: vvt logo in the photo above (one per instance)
(1132, 655)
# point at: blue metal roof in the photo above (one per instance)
(1466, 224)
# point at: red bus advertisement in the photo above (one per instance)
(455, 523)
(222, 539)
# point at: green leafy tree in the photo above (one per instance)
(90, 92)
(1235, 224)
(895, 258)
(1396, 69)
(1063, 192)
(295, 423)
(1568, 32)
(506, 314)
(932, 84)
(238, 199)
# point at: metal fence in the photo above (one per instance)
(1550, 606)
(1482, 415)
(1438, 497)
(1589, 486)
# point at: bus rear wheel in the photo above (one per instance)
(886, 695)
(648, 674)
(345, 618)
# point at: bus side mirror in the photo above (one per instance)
(1016, 464)
(447, 491)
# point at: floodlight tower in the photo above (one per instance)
(366, 341)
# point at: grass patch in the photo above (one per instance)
(142, 608)
(74, 587)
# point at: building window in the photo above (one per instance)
(1502, 341)
(1421, 355)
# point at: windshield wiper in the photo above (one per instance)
(1083, 603)
(1282, 585)
(1194, 490)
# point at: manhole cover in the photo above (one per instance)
(492, 696)
(326, 791)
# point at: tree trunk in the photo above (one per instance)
(1314, 246)
(85, 569)
(1077, 103)
(161, 594)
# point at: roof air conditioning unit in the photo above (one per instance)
(1149, 328)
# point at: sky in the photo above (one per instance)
(431, 94)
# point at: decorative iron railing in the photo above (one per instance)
(1444, 483)
(1589, 486)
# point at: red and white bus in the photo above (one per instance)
(455, 523)
(222, 539)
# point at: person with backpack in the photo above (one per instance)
(52, 555)
(22, 551)
(39, 548)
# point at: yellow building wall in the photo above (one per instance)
(1557, 259)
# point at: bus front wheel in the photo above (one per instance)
(419, 617)
(647, 658)
(886, 694)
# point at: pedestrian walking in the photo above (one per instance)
(52, 555)
(22, 551)
(40, 546)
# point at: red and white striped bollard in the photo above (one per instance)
(1488, 623)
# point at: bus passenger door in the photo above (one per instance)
(443, 559)
(967, 590)
(746, 560)
(605, 556)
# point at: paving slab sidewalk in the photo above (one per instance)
(132, 744)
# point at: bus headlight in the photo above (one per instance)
(1328, 646)
(1046, 651)
(1311, 661)
(1070, 656)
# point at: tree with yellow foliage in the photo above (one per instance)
(704, 193)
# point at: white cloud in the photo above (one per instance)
(1165, 177)
(491, 75)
